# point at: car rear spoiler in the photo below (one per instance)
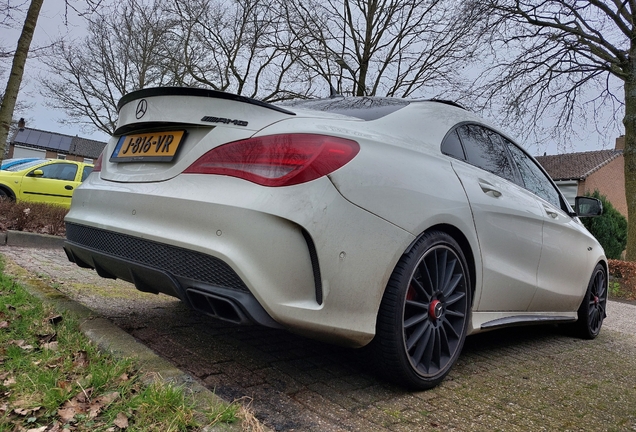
(191, 91)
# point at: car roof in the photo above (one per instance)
(35, 162)
(363, 107)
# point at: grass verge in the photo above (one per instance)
(52, 378)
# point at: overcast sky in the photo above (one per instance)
(51, 26)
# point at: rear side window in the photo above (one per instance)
(452, 146)
(533, 177)
(87, 171)
(484, 150)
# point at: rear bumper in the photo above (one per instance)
(203, 282)
(299, 257)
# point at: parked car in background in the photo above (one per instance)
(406, 225)
(7, 163)
(50, 181)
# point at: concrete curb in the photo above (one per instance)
(28, 239)
(110, 338)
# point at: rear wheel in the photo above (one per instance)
(423, 317)
(591, 313)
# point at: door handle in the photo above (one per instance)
(551, 213)
(489, 189)
(68, 187)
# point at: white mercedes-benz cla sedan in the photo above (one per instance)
(403, 224)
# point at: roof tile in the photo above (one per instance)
(576, 166)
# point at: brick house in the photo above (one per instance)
(578, 173)
(28, 142)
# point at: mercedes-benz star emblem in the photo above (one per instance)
(142, 107)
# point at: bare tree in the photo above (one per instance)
(232, 46)
(10, 95)
(382, 47)
(8, 13)
(128, 48)
(550, 56)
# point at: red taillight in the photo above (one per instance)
(97, 167)
(278, 160)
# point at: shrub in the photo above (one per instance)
(33, 217)
(610, 229)
(622, 279)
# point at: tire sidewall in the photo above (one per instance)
(585, 329)
(398, 285)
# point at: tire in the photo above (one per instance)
(591, 313)
(424, 313)
(4, 195)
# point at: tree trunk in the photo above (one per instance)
(17, 71)
(630, 159)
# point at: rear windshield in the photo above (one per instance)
(365, 108)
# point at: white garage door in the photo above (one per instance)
(27, 152)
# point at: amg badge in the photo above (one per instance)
(224, 120)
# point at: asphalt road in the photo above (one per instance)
(536, 378)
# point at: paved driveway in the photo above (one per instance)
(536, 378)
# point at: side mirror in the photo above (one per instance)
(38, 173)
(587, 207)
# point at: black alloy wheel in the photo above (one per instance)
(591, 313)
(424, 314)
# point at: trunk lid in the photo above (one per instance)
(162, 131)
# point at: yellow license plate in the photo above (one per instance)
(148, 147)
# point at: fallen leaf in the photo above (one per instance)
(84, 396)
(55, 427)
(94, 409)
(4, 407)
(4, 324)
(40, 429)
(66, 414)
(46, 338)
(107, 398)
(4, 375)
(21, 343)
(52, 346)
(55, 363)
(80, 359)
(8, 382)
(121, 421)
(123, 378)
(55, 319)
(22, 411)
